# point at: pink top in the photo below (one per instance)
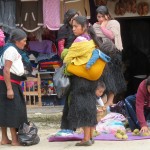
(83, 37)
(2, 38)
(108, 33)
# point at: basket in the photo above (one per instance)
(101, 112)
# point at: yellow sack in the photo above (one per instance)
(93, 73)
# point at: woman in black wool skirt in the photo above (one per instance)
(12, 103)
(82, 100)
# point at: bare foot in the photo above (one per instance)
(15, 144)
(5, 142)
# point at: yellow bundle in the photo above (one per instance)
(78, 55)
(93, 73)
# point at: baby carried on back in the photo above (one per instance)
(84, 60)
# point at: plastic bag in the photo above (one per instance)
(27, 134)
(61, 82)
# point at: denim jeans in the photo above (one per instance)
(131, 112)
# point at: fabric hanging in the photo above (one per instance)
(29, 14)
(51, 15)
(7, 15)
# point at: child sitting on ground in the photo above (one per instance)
(99, 92)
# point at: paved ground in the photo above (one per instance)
(53, 115)
(99, 145)
(44, 110)
(49, 114)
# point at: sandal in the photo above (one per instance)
(87, 143)
(92, 141)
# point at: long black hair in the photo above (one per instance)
(65, 31)
(83, 21)
(103, 10)
(69, 14)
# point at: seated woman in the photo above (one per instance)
(138, 107)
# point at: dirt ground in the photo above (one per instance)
(45, 131)
(48, 122)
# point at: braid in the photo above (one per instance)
(108, 47)
(82, 20)
(93, 36)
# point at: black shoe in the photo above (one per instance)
(87, 143)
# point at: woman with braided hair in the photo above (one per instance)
(82, 100)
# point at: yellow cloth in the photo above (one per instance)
(80, 52)
(78, 55)
(92, 74)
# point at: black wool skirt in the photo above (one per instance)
(64, 120)
(12, 112)
(82, 109)
(113, 76)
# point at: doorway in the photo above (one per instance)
(135, 34)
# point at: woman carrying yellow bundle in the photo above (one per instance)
(82, 107)
(78, 55)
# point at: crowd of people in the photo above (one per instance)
(81, 112)
(79, 44)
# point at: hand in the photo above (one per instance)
(104, 23)
(99, 110)
(106, 17)
(10, 94)
(144, 129)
